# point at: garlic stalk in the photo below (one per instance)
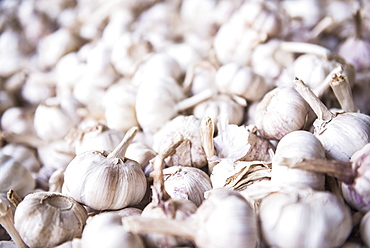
(6, 220)
(343, 93)
(59, 218)
(341, 134)
(224, 219)
(103, 180)
(163, 205)
(207, 132)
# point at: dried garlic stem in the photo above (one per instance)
(302, 47)
(29, 140)
(321, 26)
(343, 92)
(120, 150)
(13, 197)
(159, 192)
(321, 111)
(324, 85)
(139, 225)
(6, 220)
(342, 170)
(194, 100)
(207, 131)
(358, 23)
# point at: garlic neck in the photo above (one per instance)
(120, 150)
(343, 92)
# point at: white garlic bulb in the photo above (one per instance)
(304, 218)
(18, 120)
(235, 79)
(119, 104)
(190, 152)
(341, 134)
(298, 144)
(186, 183)
(103, 180)
(233, 107)
(59, 218)
(281, 111)
(95, 138)
(106, 230)
(55, 117)
(15, 176)
(24, 155)
(365, 228)
(225, 219)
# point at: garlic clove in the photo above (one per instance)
(59, 218)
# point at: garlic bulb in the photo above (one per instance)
(186, 183)
(365, 229)
(163, 206)
(190, 152)
(222, 105)
(235, 79)
(119, 104)
(18, 120)
(59, 218)
(141, 153)
(225, 219)
(15, 176)
(106, 230)
(281, 111)
(298, 144)
(341, 134)
(55, 117)
(121, 182)
(304, 218)
(95, 138)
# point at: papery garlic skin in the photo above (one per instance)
(281, 111)
(59, 218)
(298, 144)
(190, 152)
(226, 220)
(13, 175)
(106, 230)
(304, 218)
(186, 183)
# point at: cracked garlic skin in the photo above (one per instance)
(304, 218)
(103, 180)
(45, 219)
(188, 183)
(281, 111)
(298, 144)
(13, 175)
(190, 152)
(106, 230)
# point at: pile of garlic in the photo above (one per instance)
(169, 123)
